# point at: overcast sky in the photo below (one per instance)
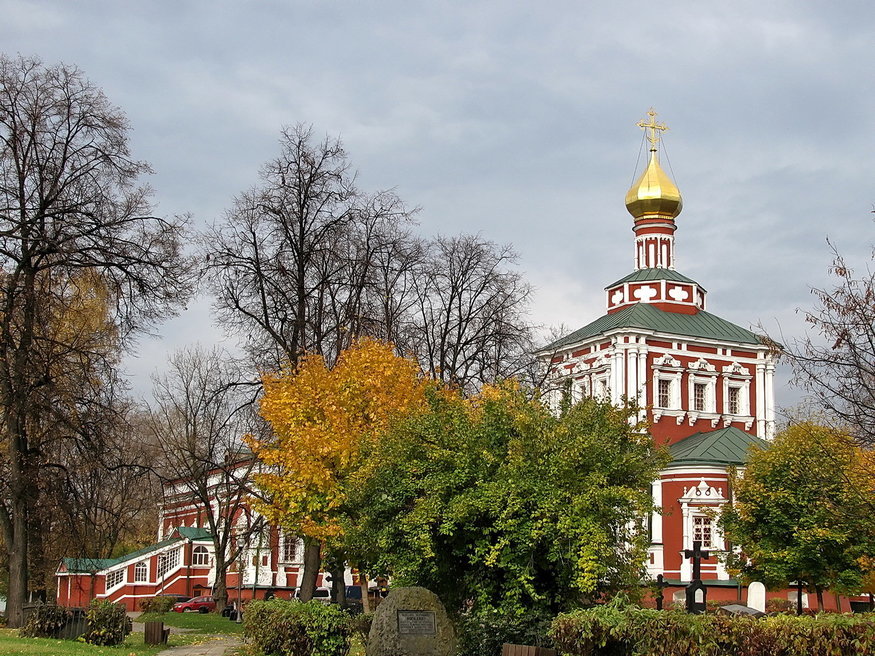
(515, 120)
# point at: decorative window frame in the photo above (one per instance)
(668, 368)
(142, 566)
(738, 377)
(599, 384)
(200, 552)
(702, 372)
(702, 500)
(282, 553)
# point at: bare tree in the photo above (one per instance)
(837, 365)
(202, 410)
(69, 204)
(471, 324)
(294, 268)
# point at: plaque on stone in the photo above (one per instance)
(411, 622)
(416, 622)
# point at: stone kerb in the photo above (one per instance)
(411, 622)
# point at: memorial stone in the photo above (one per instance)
(756, 596)
(411, 622)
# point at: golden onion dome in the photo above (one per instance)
(654, 193)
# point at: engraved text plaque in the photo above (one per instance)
(416, 622)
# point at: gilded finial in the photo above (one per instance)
(653, 126)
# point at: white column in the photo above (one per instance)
(760, 400)
(642, 380)
(656, 517)
(770, 400)
(619, 378)
(631, 373)
(686, 564)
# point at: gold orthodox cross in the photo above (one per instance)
(653, 126)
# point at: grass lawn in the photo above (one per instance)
(12, 645)
(203, 623)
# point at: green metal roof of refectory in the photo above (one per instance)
(649, 317)
(92, 565)
(723, 447)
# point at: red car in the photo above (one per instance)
(199, 604)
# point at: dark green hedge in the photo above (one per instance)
(293, 628)
(108, 623)
(612, 630)
(157, 604)
(45, 621)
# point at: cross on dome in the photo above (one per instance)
(653, 126)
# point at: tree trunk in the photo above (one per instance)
(366, 600)
(17, 568)
(312, 563)
(220, 584)
(819, 598)
(338, 584)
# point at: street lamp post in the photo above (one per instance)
(240, 544)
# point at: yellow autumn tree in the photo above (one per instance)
(320, 418)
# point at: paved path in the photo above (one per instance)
(214, 646)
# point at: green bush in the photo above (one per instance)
(108, 623)
(292, 628)
(779, 605)
(157, 604)
(483, 633)
(45, 621)
(615, 630)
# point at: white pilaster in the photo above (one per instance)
(760, 400)
(770, 400)
(656, 517)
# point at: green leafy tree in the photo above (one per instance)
(497, 503)
(801, 511)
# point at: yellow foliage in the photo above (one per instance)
(320, 419)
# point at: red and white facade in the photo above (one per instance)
(705, 386)
(183, 560)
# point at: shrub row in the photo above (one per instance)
(483, 633)
(285, 628)
(613, 630)
(106, 623)
(157, 604)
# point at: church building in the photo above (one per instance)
(704, 384)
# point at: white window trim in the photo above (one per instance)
(743, 387)
(298, 549)
(674, 408)
(145, 564)
(708, 379)
(122, 572)
(195, 553)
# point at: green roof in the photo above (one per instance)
(727, 446)
(194, 533)
(89, 565)
(653, 274)
(649, 317)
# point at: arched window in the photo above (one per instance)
(141, 572)
(200, 556)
